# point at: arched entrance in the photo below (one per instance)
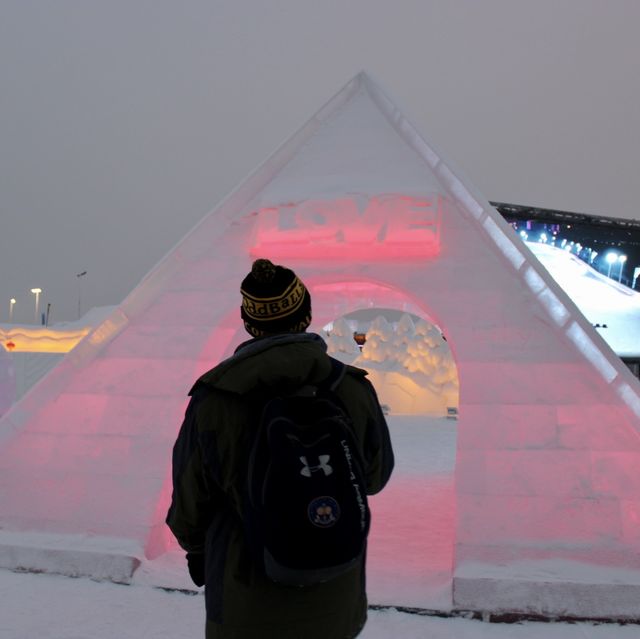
(410, 555)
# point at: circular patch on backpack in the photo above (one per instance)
(323, 512)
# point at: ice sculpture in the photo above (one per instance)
(413, 370)
(340, 339)
(379, 346)
(405, 333)
(369, 215)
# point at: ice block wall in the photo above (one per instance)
(88, 450)
(548, 453)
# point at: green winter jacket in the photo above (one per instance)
(209, 476)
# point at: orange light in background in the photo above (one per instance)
(23, 339)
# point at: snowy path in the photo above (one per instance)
(51, 607)
(411, 543)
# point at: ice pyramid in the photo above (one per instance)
(369, 215)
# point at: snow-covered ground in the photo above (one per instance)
(409, 566)
(50, 607)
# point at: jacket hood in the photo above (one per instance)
(288, 359)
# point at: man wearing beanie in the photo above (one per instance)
(211, 466)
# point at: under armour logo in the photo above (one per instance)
(323, 466)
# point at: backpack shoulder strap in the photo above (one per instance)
(338, 370)
(327, 387)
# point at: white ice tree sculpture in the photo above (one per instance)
(341, 340)
(428, 353)
(379, 346)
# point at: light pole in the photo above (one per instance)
(622, 259)
(12, 303)
(36, 292)
(611, 258)
(80, 276)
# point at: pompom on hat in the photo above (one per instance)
(274, 300)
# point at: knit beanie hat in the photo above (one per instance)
(274, 300)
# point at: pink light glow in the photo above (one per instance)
(352, 229)
(412, 537)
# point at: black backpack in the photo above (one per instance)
(306, 514)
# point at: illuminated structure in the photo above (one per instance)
(369, 215)
(26, 339)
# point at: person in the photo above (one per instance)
(210, 459)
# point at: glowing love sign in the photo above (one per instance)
(381, 227)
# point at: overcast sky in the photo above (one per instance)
(123, 122)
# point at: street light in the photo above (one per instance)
(80, 276)
(622, 259)
(611, 258)
(36, 292)
(12, 302)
